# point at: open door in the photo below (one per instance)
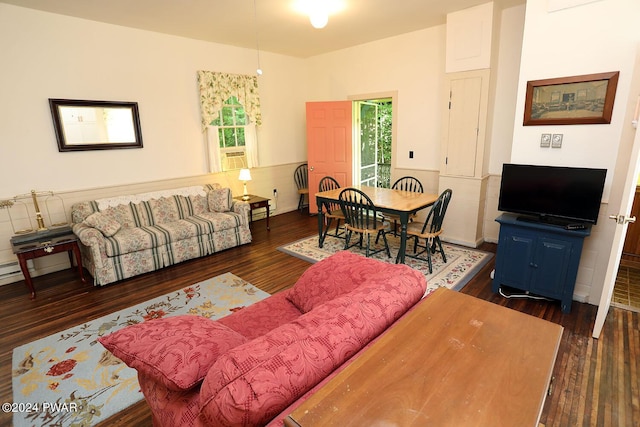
(622, 222)
(329, 144)
(629, 161)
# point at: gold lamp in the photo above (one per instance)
(245, 175)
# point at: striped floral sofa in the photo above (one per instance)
(124, 236)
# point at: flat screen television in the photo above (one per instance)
(552, 194)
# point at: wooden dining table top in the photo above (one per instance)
(387, 198)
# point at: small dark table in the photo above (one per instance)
(256, 202)
(43, 243)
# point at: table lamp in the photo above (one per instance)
(245, 175)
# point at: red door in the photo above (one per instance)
(329, 139)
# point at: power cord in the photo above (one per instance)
(527, 295)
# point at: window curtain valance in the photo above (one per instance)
(216, 88)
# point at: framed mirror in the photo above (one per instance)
(95, 125)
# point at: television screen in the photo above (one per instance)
(552, 193)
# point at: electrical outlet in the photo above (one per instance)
(275, 192)
(411, 154)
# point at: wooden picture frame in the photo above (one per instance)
(82, 125)
(576, 100)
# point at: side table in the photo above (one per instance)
(256, 202)
(43, 243)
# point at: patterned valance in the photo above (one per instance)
(216, 88)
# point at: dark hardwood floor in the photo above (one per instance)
(596, 383)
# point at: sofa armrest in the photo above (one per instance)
(242, 208)
(93, 239)
(80, 211)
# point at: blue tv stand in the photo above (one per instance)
(538, 258)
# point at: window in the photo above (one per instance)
(230, 108)
(231, 124)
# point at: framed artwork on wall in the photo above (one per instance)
(82, 125)
(586, 99)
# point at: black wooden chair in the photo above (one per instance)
(361, 217)
(406, 183)
(331, 211)
(430, 231)
(301, 178)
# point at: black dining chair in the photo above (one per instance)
(430, 231)
(361, 217)
(330, 210)
(406, 183)
(301, 178)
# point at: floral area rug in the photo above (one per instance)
(462, 263)
(70, 379)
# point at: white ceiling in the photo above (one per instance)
(281, 28)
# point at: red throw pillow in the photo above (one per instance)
(337, 275)
(177, 351)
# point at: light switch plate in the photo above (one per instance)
(556, 140)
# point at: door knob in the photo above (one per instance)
(623, 219)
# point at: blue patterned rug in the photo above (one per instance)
(69, 379)
(462, 263)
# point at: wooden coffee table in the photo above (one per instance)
(454, 360)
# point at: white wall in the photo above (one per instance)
(508, 71)
(411, 64)
(596, 37)
(54, 56)
(593, 38)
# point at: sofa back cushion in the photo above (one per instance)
(176, 351)
(199, 204)
(220, 200)
(339, 274)
(162, 210)
(252, 383)
(134, 210)
(126, 215)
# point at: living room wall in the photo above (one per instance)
(54, 56)
(597, 36)
(47, 55)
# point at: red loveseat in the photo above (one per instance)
(255, 366)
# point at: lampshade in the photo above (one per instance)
(245, 175)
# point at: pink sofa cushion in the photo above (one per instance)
(261, 317)
(176, 351)
(254, 382)
(337, 275)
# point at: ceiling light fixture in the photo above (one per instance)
(318, 14)
(318, 11)
(255, 21)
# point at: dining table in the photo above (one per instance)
(386, 200)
